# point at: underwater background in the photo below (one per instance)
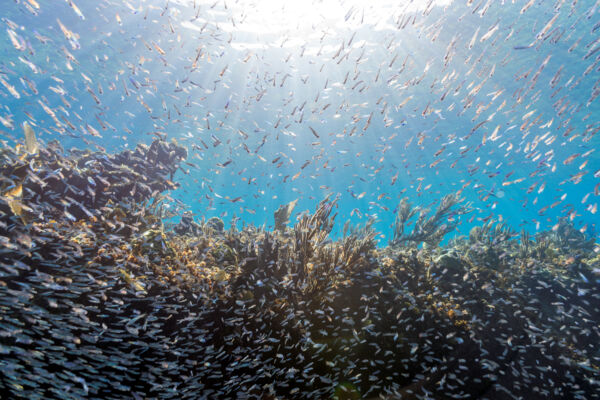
(419, 99)
(223, 145)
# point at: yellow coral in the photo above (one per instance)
(387, 262)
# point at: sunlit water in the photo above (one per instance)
(282, 101)
(278, 101)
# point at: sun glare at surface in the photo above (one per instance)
(295, 21)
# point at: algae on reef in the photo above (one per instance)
(99, 300)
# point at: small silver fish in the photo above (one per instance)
(31, 144)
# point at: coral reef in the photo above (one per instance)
(116, 304)
(82, 183)
(282, 215)
(426, 229)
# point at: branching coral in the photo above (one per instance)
(306, 262)
(524, 244)
(339, 260)
(429, 229)
(310, 232)
(491, 234)
(490, 244)
(282, 215)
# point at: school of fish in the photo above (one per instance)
(119, 278)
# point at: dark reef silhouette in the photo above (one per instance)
(99, 298)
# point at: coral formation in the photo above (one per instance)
(282, 215)
(117, 304)
(427, 229)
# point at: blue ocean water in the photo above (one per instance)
(104, 294)
(368, 102)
